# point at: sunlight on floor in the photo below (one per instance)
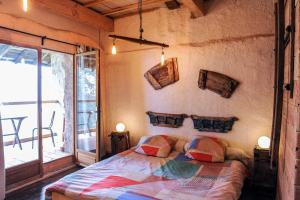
(15, 156)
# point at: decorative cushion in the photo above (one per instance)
(233, 153)
(143, 139)
(206, 149)
(221, 140)
(179, 146)
(158, 145)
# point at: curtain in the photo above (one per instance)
(2, 169)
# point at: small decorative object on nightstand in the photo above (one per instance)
(120, 140)
(264, 178)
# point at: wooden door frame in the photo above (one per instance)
(80, 154)
(58, 164)
(279, 81)
(67, 161)
(12, 172)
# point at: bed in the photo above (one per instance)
(133, 176)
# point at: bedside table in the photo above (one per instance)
(120, 141)
(263, 178)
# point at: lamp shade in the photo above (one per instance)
(120, 127)
(264, 142)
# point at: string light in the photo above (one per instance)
(162, 57)
(114, 49)
(25, 5)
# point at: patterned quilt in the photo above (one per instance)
(133, 176)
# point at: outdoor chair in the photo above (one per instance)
(46, 128)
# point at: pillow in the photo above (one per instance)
(206, 149)
(186, 146)
(224, 142)
(158, 145)
(237, 154)
(180, 145)
(177, 146)
(143, 139)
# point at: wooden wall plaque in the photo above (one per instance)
(160, 76)
(213, 124)
(166, 120)
(218, 83)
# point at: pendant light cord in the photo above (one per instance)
(140, 10)
(140, 40)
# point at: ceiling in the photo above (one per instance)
(121, 8)
(28, 56)
(18, 54)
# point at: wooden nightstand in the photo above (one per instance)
(120, 141)
(264, 178)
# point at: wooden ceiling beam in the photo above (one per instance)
(93, 3)
(195, 6)
(77, 12)
(132, 7)
(134, 13)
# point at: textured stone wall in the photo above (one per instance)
(235, 38)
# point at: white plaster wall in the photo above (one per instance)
(236, 38)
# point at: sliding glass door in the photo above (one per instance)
(87, 108)
(37, 111)
(49, 110)
(19, 86)
(57, 105)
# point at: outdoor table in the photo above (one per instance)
(16, 122)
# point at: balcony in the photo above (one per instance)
(27, 150)
(61, 125)
(22, 80)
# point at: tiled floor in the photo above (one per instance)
(15, 156)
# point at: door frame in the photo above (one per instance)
(67, 161)
(85, 158)
(15, 175)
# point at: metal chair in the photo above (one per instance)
(46, 128)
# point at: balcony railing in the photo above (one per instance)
(86, 117)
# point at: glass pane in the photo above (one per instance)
(86, 102)
(57, 104)
(18, 99)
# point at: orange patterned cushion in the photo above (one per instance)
(206, 149)
(158, 145)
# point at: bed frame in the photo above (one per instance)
(57, 196)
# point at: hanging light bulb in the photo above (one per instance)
(114, 49)
(25, 5)
(162, 57)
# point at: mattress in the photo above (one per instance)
(133, 176)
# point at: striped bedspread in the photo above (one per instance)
(132, 176)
